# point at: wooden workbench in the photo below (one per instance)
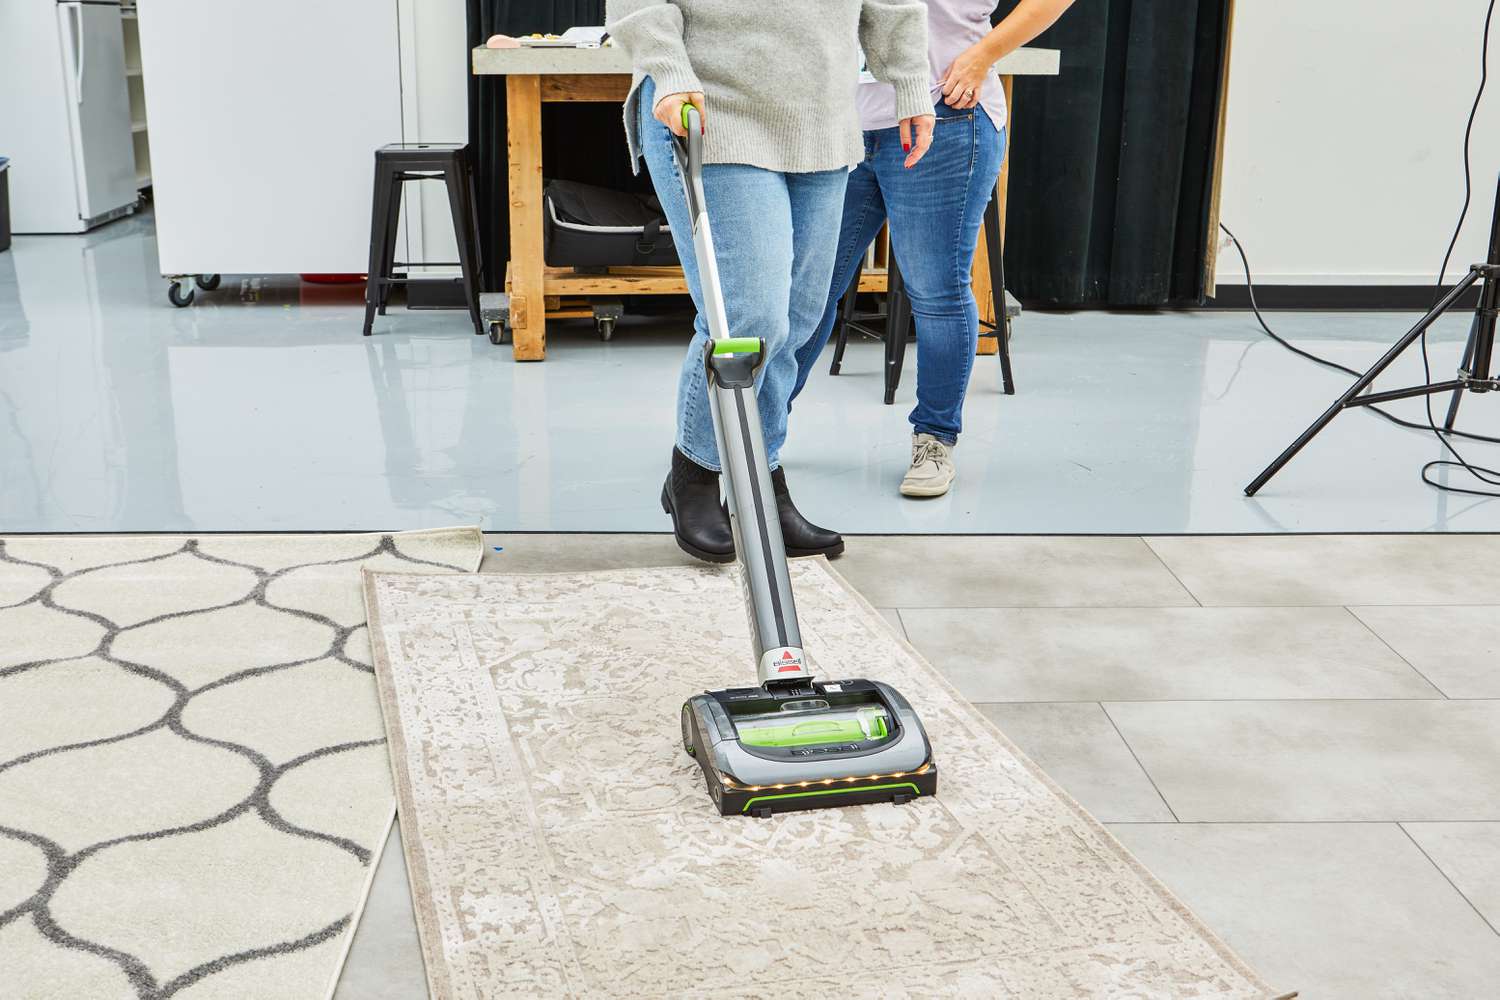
(534, 290)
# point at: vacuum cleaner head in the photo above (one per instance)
(782, 747)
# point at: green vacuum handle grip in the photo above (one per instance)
(737, 345)
(689, 109)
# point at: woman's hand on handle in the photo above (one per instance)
(668, 111)
(916, 136)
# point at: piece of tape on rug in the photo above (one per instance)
(561, 843)
(193, 791)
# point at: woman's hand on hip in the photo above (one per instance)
(916, 136)
(668, 111)
(964, 80)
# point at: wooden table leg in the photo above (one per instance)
(981, 273)
(528, 314)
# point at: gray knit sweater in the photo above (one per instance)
(778, 76)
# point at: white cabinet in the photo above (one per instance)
(264, 120)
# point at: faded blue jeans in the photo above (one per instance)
(935, 210)
(774, 235)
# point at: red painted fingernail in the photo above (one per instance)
(906, 147)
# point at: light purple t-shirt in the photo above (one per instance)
(952, 26)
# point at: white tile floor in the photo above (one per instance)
(1320, 783)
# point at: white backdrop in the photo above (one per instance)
(1342, 159)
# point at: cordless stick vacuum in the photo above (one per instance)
(792, 742)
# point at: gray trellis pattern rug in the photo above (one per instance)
(193, 781)
(560, 843)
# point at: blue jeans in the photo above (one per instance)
(774, 235)
(935, 210)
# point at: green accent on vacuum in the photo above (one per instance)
(809, 732)
(737, 345)
(685, 123)
(831, 791)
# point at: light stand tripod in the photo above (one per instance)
(1473, 375)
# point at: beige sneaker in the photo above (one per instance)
(931, 471)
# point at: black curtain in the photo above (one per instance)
(1113, 160)
(580, 142)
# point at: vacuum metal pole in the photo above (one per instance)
(731, 366)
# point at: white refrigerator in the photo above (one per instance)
(65, 114)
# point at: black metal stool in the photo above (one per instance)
(396, 164)
(896, 316)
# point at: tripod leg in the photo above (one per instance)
(1361, 384)
(1458, 394)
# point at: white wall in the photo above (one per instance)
(1342, 159)
(434, 82)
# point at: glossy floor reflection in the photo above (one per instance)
(261, 408)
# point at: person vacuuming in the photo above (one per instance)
(775, 84)
(792, 742)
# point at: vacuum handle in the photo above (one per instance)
(689, 153)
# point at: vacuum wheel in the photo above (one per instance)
(687, 733)
(208, 282)
(180, 298)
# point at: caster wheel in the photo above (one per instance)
(180, 298)
(606, 329)
(499, 333)
(208, 282)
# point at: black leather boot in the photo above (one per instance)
(801, 536)
(699, 520)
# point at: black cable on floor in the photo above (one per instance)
(1479, 472)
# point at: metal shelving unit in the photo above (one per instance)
(136, 82)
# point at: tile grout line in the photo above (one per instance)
(1152, 549)
(1214, 701)
(1371, 629)
(1296, 822)
(1439, 869)
(1137, 759)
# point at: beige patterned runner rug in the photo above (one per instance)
(193, 787)
(561, 843)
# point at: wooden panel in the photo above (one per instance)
(579, 87)
(983, 292)
(559, 281)
(619, 281)
(524, 144)
(1211, 257)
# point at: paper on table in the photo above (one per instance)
(586, 37)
